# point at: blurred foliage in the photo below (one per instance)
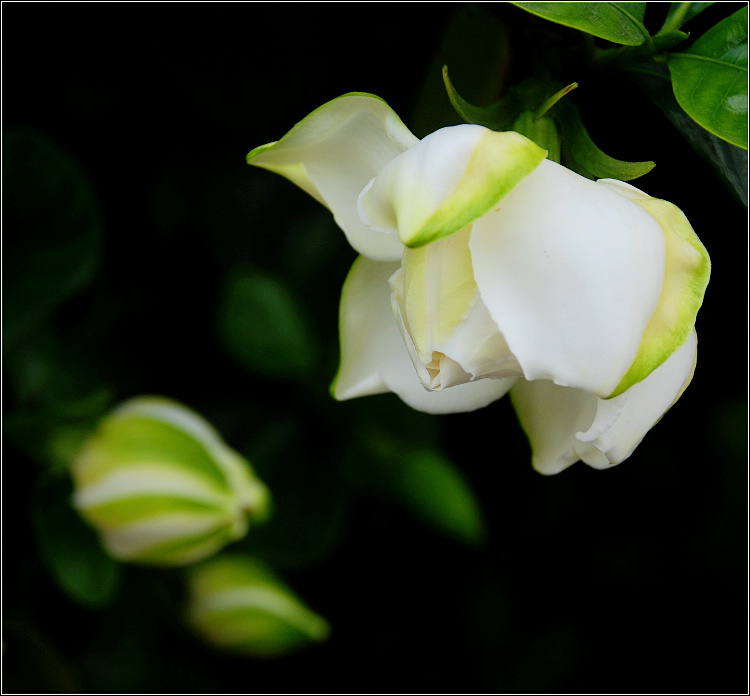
(142, 256)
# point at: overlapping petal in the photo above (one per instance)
(571, 272)
(441, 314)
(687, 271)
(374, 357)
(452, 177)
(333, 153)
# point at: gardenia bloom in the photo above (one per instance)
(485, 268)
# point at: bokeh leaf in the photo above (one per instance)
(619, 22)
(262, 326)
(52, 229)
(710, 79)
(70, 549)
(419, 478)
(310, 505)
(438, 494)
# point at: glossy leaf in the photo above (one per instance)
(70, 549)
(583, 156)
(262, 326)
(619, 22)
(710, 79)
(729, 162)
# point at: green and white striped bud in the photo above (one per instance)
(236, 603)
(161, 487)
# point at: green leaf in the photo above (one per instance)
(581, 154)
(498, 116)
(263, 327)
(476, 46)
(52, 229)
(70, 549)
(729, 162)
(619, 22)
(710, 79)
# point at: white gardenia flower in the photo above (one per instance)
(485, 268)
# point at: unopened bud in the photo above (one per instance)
(161, 487)
(238, 604)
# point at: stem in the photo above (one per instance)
(674, 22)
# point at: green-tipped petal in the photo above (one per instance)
(375, 358)
(687, 272)
(333, 153)
(451, 178)
(161, 487)
(571, 273)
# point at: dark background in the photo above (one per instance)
(628, 580)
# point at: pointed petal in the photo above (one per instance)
(333, 153)
(688, 269)
(452, 177)
(368, 335)
(374, 357)
(571, 272)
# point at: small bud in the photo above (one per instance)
(161, 487)
(236, 603)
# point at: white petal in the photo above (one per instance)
(452, 177)
(374, 357)
(571, 273)
(551, 416)
(333, 153)
(443, 319)
(643, 405)
(368, 335)
(564, 425)
(687, 271)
